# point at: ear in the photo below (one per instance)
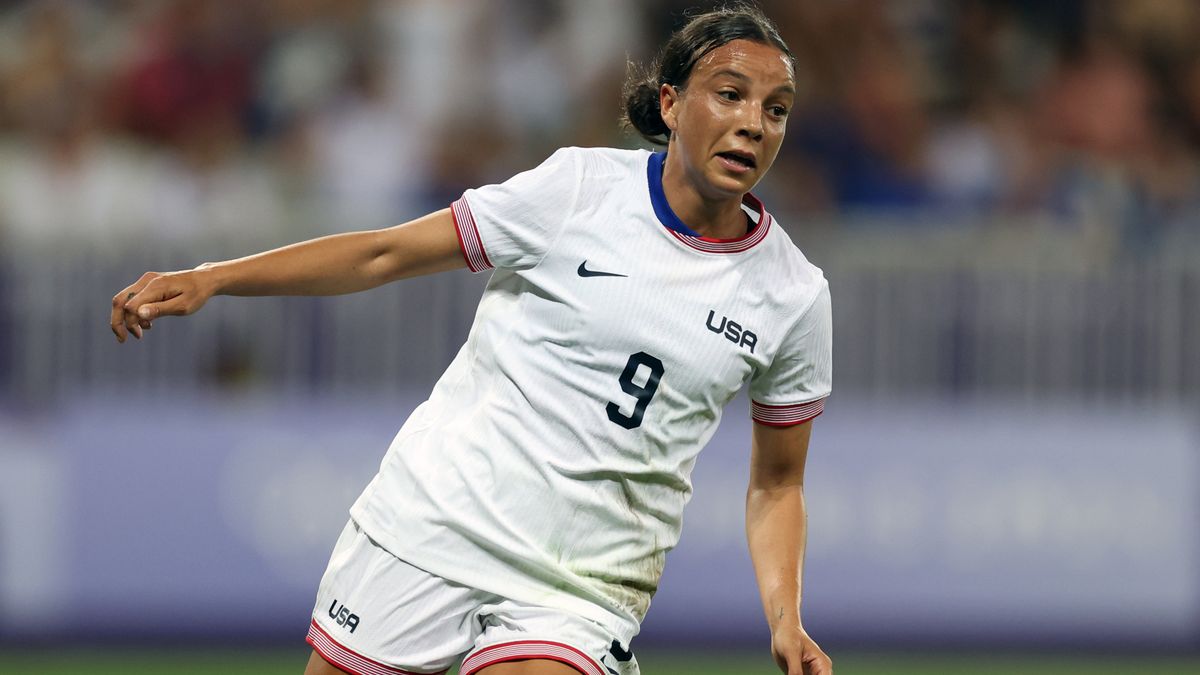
(668, 98)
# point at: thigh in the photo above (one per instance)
(521, 639)
(376, 613)
(319, 666)
(531, 667)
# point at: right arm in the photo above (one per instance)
(333, 265)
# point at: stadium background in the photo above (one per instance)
(1004, 195)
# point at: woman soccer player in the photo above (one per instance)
(520, 519)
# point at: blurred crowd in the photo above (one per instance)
(289, 118)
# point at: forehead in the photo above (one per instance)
(764, 64)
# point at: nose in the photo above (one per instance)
(751, 122)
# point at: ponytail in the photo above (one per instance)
(642, 112)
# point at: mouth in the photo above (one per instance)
(738, 160)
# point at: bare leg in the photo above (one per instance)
(319, 666)
(529, 667)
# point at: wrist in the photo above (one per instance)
(785, 620)
(788, 632)
(210, 278)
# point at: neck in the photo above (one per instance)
(719, 217)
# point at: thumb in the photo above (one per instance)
(173, 306)
(817, 662)
(790, 661)
(822, 667)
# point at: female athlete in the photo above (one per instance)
(519, 521)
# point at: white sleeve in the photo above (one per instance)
(513, 224)
(793, 389)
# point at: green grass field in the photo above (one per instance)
(291, 662)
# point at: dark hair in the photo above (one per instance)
(702, 34)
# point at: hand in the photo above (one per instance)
(154, 295)
(797, 654)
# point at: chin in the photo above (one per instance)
(725, 185)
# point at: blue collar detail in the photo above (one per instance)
(654, 172)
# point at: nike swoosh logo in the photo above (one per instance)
(585, 272)
(619, 653)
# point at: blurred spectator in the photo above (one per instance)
(1094, 124)
(868, 142)
(975, 158)
(307, 58)
(196, 64)
(212, 187)
(216, 116)
(372, 160)
(61, 175)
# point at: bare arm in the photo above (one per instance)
(776, 529)
(340, 263)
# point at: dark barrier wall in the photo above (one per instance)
(984, 523)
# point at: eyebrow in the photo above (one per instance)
(787, 88)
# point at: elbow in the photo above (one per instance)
(383, 263)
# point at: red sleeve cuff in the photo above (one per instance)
(785, 415)
(468, 236)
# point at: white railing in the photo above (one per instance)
(924, 311)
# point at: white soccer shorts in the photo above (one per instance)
(378, 615)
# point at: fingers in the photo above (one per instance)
(120, 321)
(175, 305)
(117, 322)
(790, 659)
(124, 320)
(132, 324)
(152, 296)
(802, 658)
(816, 661)
(822, 665)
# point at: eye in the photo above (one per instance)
(779, 110)
(728, 94)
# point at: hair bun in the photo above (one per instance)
(643, 112)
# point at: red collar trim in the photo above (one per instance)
(742, 243)
(685, 234)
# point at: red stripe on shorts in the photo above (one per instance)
(348, 660)
(530, 649)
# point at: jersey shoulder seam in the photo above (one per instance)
(571, 209)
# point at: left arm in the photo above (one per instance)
(776, 528)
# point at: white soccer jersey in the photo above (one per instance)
(552, 461)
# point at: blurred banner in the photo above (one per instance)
(979, 522)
